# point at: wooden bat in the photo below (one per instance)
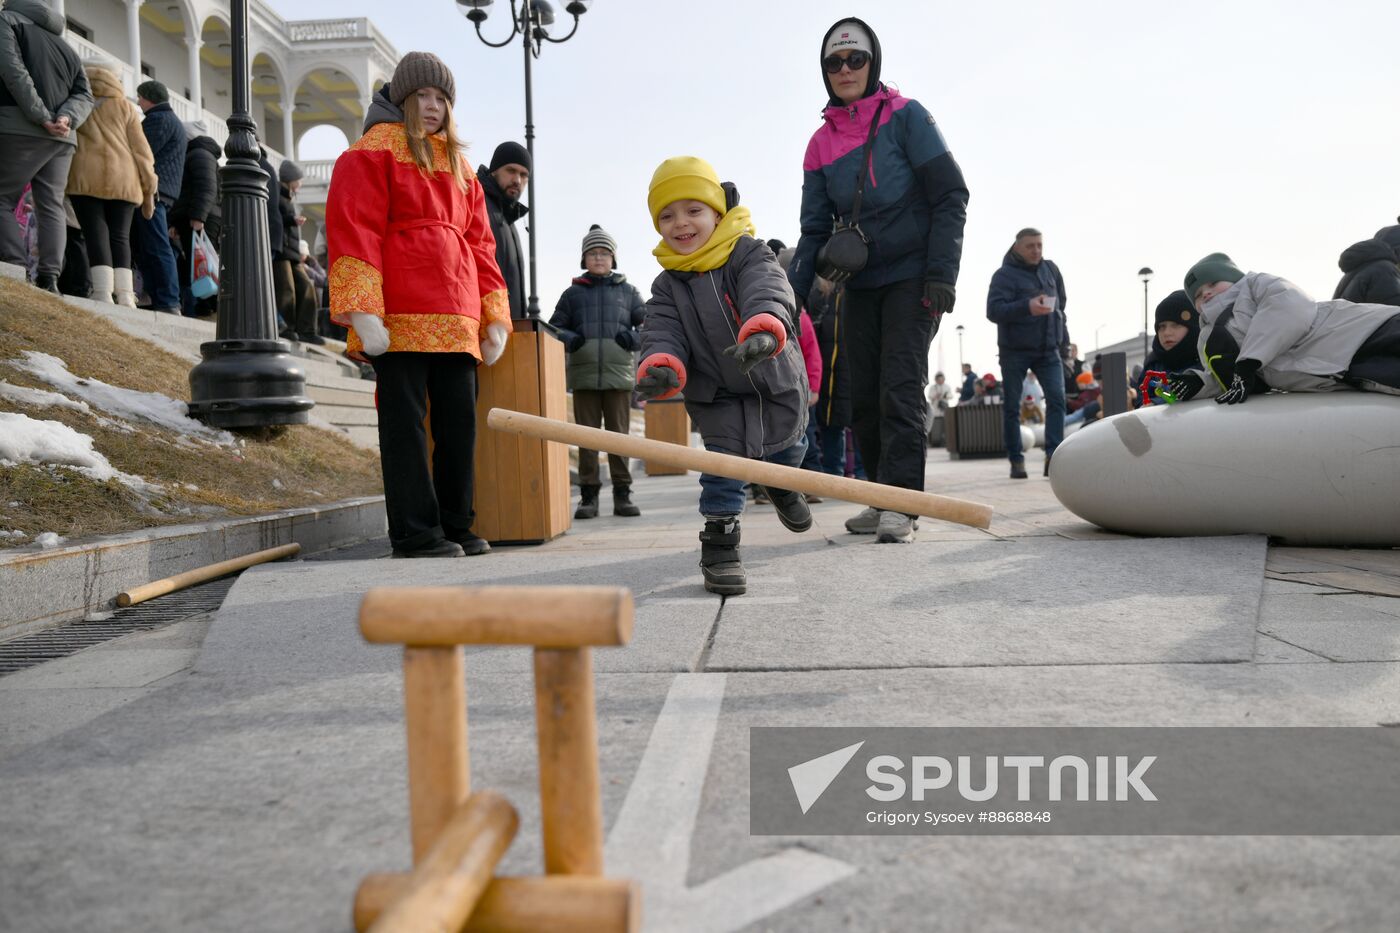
(875, 495)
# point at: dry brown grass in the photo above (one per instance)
(309, 465)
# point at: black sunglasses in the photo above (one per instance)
(856, 60)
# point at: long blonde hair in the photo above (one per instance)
(421, 148)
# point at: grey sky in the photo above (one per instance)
(1131, 133)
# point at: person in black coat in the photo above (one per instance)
(503, 182)
(825, 305)
(197, 209)
(1178, 329)
(296, 296)
(1371, 274)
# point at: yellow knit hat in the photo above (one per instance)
(684, 178)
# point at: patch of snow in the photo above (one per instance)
(27, 440)
(125, 403)
(277, 484)
(191, 487)
(16, 533)
(48, 540)
(39, 398)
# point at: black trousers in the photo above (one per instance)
(888, 332)
(1378, 359)
(106, 228)
(426, 505)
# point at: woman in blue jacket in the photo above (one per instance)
(913, 205)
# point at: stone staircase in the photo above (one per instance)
(344, 401)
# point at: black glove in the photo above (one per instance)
(658, 381)
(624, 340)
(1184, 386)
(575, 343)
(754, 350)
(939, 298)
(1239, 386)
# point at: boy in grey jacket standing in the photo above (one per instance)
(44, 96)
(720, 324)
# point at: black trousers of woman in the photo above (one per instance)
(425, 506)
(106, 228)
(888, 332)
(1378, 359)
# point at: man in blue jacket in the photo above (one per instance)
(154, 255)
(1026, 301)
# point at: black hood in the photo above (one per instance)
(1390, 235)
(873, 82)
(207, 144)
(41, 12)
(382, 110)
(1011, 259)
(1359, 254)
(510, 210)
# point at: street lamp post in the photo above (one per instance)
(1146, 275)
(531, 21)
(247, 379)
(960, 350)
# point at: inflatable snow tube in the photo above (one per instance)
(1308, 468)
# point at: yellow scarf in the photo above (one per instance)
(714, 253)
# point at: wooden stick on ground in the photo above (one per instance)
(876, 495)
(189, 578)
(445, 887)
(550, 904)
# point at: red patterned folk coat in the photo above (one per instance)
(413, 250)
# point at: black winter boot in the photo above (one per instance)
(588, 502)
(622, 502)
(791, 507)
(719, 557)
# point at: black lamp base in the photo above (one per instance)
(248, 384)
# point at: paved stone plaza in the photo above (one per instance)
(243, 773)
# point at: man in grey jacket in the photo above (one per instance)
(44, 96)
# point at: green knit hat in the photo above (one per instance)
(1217, 267)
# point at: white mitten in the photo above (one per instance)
(495, 343)
(373, 336)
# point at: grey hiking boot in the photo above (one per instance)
(622, 502)
(588, 502)
(895, 528)
(865, 523)
(791, 508)
(719, 557)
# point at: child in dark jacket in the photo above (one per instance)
(721, 325)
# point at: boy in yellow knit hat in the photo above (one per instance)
(720, 325)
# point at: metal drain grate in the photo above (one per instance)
(29, 650)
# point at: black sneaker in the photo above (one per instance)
(791, 508)
(622, 502)
(473, 545)
(588, 502)
(1018, 469)
(46, 283)
(442, 548)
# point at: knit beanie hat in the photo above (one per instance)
(509, 153)
(1217, 267)
(684, 178)
(153, 91)
(418, 70)
(1178, 309)
(597, 238)
(288, 172)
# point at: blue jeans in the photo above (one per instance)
(157, 259)
(720, 495)
(1050, 372)
(812, 460)
(833, 448)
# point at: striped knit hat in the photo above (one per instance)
(597, 238)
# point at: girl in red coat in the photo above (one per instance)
(413, 275)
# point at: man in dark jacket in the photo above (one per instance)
(197, 208)
(1026, 301)
(154, 255)
(44, 96)
(597, 317)
(1371, 274)
(296, 296)
(503, 182)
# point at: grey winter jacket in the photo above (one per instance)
(41, 78)
(1304, 345)
(592, 313)
(695, 316)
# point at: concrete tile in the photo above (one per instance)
(134, 667)
(1269, 649)
(1342, 628)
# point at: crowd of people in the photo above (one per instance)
(814, 356)
(109, 200)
